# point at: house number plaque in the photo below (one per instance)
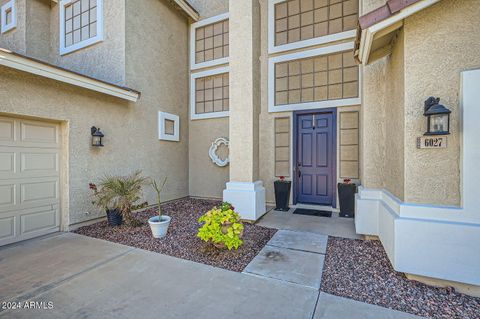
(432, 142)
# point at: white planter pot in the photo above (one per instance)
(159, 228)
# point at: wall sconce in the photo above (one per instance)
(97, 136)
(438, 117)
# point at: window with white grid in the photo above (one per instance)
(81, 24)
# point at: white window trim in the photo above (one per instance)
(82, 44)
(12, 25)
(272, 48)
(193, 28)
(308, 105)
(162, 135)
(193, 77)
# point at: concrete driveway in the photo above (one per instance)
(83, 277)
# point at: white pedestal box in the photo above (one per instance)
(248, 198)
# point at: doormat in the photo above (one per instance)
(313, 212)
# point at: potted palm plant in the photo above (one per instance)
(159, 224)
(118, 194)
(114, 217)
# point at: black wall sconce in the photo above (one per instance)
(438, 117)
(97, 136)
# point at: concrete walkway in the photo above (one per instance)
(90, 278)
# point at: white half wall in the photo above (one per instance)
(247, 198)
(441, 242)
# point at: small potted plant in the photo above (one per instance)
(114, 216)
(282, 193)
(159, 224)
(346, 196)
(120, 193)
(222, 227)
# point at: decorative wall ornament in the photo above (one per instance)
(168, 127)
(213, 151)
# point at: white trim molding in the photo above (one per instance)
(430, 240)
(308, 105)
(248, 198)
(85, 43)
(162, 134)
(212, 152)
(15, 61)
(10, 6)
(272, 48)
(193, 28)
(193, 77)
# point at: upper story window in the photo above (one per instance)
(295, 24)
(209, 95)
(81, 24)
(8, 16)
(323, 77)
(209, 42)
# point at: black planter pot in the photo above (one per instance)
(282, 195)
(114, 217)
(346, 196)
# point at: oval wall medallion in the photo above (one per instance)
(213, 151)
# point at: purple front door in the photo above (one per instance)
(315, 158)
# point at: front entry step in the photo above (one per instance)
(292, 256)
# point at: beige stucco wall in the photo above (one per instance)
(131, 129)
(15, 39)
(394, 120)
(209, 8)
(158, 67)
(440, 42)
(104, 60)
(38, 29)
(206, 178)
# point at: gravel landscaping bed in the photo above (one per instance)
(181, 240)
(360, 270)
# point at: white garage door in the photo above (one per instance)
(29, 179)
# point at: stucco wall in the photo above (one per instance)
(104, 60)
(394, 121)
(440, 42)
(15, 39)
(210, 8)
(38, 29)
(206, 178)
(157, 65)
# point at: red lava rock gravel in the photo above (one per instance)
(181, 240)
(360, 270)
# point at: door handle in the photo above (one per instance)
(298, 169)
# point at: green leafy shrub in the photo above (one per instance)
(222, 227)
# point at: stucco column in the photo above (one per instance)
(244, 190)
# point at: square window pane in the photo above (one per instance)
(85, 33)
(76, 36)
(93, 15)
(85, 19)
(68, 26)
(76, 8)
(93, 3)
(76, 22)
(68, 12)
(69, 39)
(93, 29)
(8, 17)
(85, 5)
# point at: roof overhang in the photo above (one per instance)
(378, 29)
(33, 66)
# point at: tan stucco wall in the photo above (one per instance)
(158, 67)
(104, 60)
(394, 121)
(131, 129)
(38, 29)
(206, 178)
(440, 42)
(15, 39)
(210, 8)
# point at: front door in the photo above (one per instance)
(315, 158)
